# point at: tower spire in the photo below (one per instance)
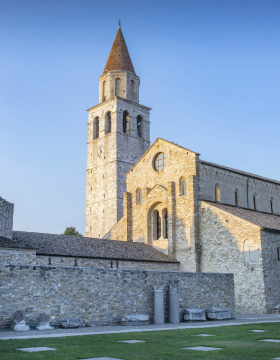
(119, 58)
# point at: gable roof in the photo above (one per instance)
(153, 144)
(119, 58)
(264, 220)
(73, 246)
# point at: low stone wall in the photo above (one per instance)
(29, 257)
(103, 296)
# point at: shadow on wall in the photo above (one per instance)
(230, 245)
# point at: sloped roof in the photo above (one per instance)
(60, 245)
(119, 58)
(264, 220)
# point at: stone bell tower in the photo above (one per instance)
(118, 135)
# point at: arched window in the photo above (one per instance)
(96, 128)
(165, 223)
(117, 86)
(108, 122)
(183, 186)
(139, 125)
(125, 122)
(217, 193)
(158, 225)
(255, 202)
(138, 196)
(104, 91)
(271, 205)
(236, 198)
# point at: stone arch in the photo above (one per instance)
(152, 222)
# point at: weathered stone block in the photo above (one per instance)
(216, 313)
(72, 323)
(135, 319)
(43, 322)
(194, 315)
(18, 321)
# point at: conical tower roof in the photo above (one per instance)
(119, 58)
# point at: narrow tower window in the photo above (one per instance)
(104, 91)
(125, 122)
(236, 197)
(108, 122)
(139, 125)
(96, 128)
(271, 205)
(117, 86)
(255, 202)
(217, 193)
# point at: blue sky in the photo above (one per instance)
(209, 69)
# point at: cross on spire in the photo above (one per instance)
(119, 21)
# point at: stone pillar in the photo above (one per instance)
(173, 305)
(158, 305)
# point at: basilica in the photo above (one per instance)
(209, 217)
(156, 214)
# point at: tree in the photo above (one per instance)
(71, 231)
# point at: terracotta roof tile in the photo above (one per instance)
(60, 245)
(119, 58)
(264, 220)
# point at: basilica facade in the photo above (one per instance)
(156, 215)
(208, 217)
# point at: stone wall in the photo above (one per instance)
(117, 231)
(233, 245)
(6, 218)
(103, 296)
(246, 185)
(29, 257)
(161, 191)
(109, 157)
(13, 256)
(271, 267)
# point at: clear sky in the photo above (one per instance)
(210, 70)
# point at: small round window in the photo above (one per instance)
(159, 161)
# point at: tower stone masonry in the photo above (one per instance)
(118, 135)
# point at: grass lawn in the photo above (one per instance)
(237, 343)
